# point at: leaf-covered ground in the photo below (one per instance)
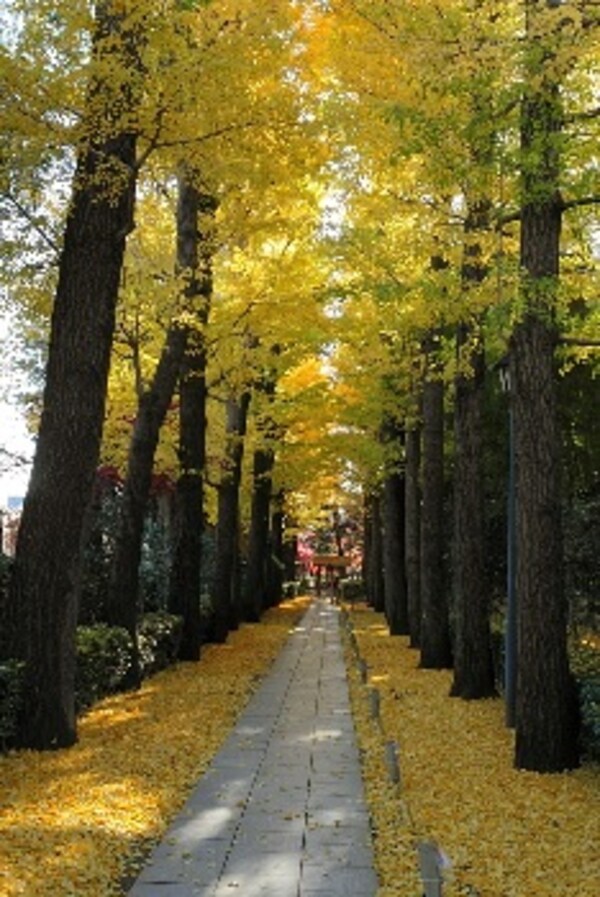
(70, 821)
(507, 833)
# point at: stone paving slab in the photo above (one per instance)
(280, 812)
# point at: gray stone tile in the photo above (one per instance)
(206, 824)
(333, 854)
(327, 800)
(269, 874)
(280, 811)
(224, 786)
(354, 882)
(238, 757)
(173, 860)
(269, 842)
(338, 817)
(276, 805)
(289, 821)
(168, 889)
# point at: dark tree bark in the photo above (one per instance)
(255, 588)
(473, 666)
(396, 608)
(394, 583)
(376, 577)
(546, 711)
(276, 565)
(367, 558)
(254, 597)
(225, 596)
(46, 578)
(412, 533)
(184, 586)
(123, 605)
(195, 250)
(290, 553)
(373, 553)
(436, 650)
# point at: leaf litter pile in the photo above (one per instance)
(72, 820)
(504, 832)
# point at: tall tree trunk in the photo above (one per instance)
(254, 597)
(394, 583)
(226, 601)
(473, 666)
(435, 628)
(45, 582)
(367, 558)
(195, 249)
(377, 582)
(255, 587)
(373, 553)
(396, 608)
(546, 711)
(412, 533)
(276, 567)
(184, 586)
(123, 605)
(289, 555)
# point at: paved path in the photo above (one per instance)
(280, 811)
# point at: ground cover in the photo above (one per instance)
(507, 833)
(71, 821)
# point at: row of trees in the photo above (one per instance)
(488, 125)
(155, 94)
(289, 230)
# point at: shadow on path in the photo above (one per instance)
(280, 812)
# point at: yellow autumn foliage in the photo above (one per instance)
(506, 832)
(70, 821)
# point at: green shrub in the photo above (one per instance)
(582, 537)
(98, 553)
(103, 660)
(589, 697)
(155, 565)
(585, 663)
(10, 700)
(352, 589)
(159, 636)
(290, 589)
(5, 620)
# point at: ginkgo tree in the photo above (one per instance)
(45, 574)
(376, 195)
(128, 94)
(451, 79)
(267, 306)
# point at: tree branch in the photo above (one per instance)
(587, 115)
(581, 343)
(582, 201)
(563, 206)
(28, 216)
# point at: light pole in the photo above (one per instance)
(510, 637)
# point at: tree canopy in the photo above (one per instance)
(396, 193)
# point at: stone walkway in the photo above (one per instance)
(280, 812)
